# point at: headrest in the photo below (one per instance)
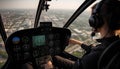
(114, 3)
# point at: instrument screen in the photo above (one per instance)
(38, 40)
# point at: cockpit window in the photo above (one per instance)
(16, 15)
(60, 11)
(3, 54)
(80, 31)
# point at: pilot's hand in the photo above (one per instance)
(47, 62)
(49, 65)
(62, 63)
(74, 41)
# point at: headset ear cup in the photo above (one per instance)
(95, 21)
(92, 21)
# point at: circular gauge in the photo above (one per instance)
(16, 40)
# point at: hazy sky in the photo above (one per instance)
(22, 4)
(18, 4)
(66, 4)
(32, 4)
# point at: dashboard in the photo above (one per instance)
(34, 45)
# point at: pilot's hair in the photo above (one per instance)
(110, 12)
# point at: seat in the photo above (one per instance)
(110, 58)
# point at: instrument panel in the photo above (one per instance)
(31, 45)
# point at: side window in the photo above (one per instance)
(16, 15)
(80, 31)
(3, 54)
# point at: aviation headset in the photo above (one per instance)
(96, 20)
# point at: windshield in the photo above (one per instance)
(20, 14)
(16, 15)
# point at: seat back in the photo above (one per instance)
(110, 58)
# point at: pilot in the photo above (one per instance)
(104, 19)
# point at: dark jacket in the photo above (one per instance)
(90, 60)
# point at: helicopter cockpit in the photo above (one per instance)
(40, 44)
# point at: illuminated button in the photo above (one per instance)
(57, 36)
(26, 55)
(26, 47)
(57, 50)
(51, 51)
(16, 48)
(51, 36)
(57, 43)
(25, 39)
(35, 53)
(51, 43)
(17, 57)
(16, 40)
